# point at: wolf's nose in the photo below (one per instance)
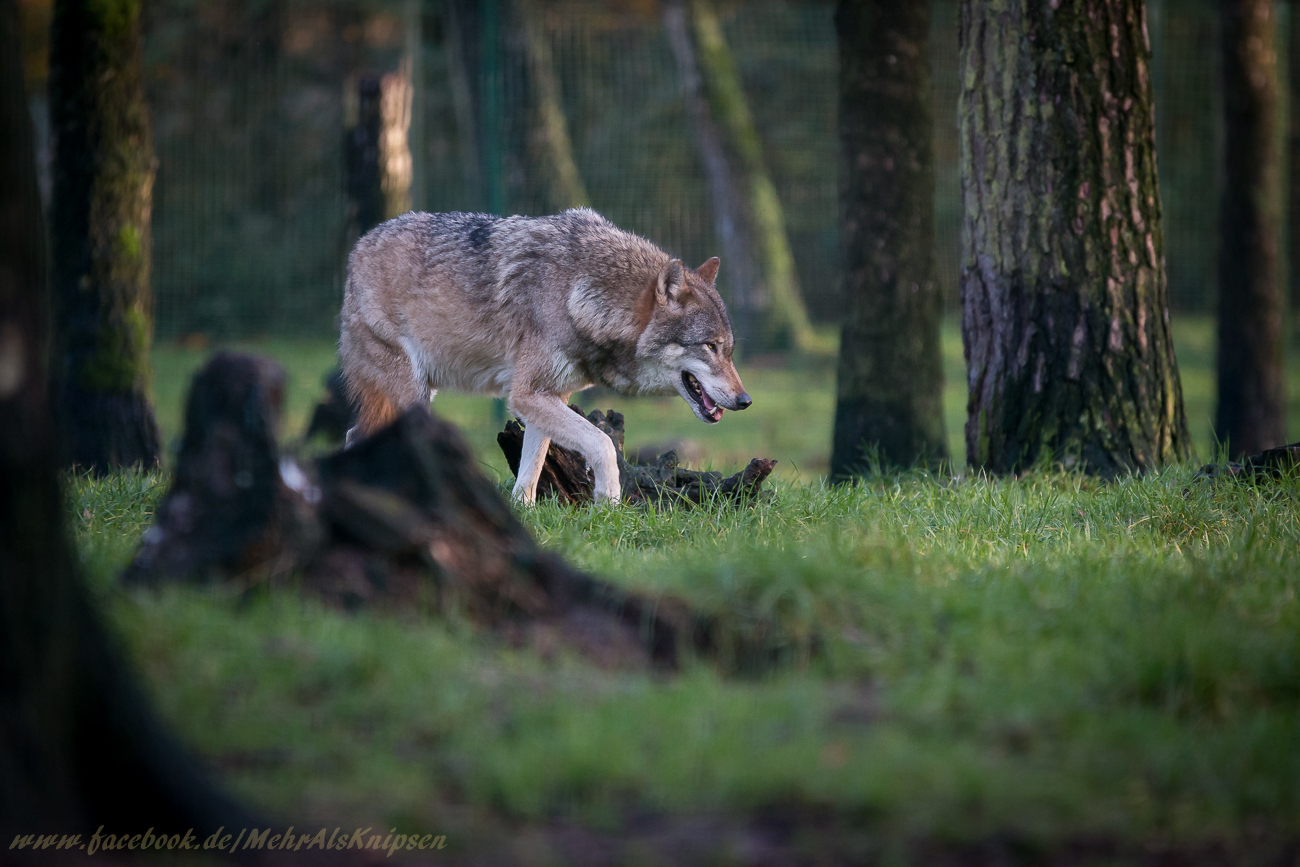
(744, 400)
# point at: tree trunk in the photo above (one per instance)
(1293, 167)
(550, 136)
(363, 168)
(103, 180)
(889, 392)
(1185, 37)
(784, 323)
(78, 744)
(740, 271)
(1251, 410)
(1065, 319)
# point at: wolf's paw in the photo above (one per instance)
(607, 491)
(525, 495)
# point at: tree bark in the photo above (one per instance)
(784, 323)
(1065, 317)
(889, 388)
(78, 743)
(1251, 407)
(103, 180)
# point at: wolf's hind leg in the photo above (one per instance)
(552, 416)
(531, 461)
(382, 384)
(374, 412)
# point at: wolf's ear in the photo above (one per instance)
(709, 270)
(672, 283)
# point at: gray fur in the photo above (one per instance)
(532, 309)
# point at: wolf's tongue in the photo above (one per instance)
(706, 400)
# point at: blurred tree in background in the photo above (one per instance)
(250, 100)
(889, 386)
(100, 234)
(1251, 399)
(1065, 317)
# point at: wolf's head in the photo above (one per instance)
(687, 343)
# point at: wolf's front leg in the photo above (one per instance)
(531, 461)
(553, 418)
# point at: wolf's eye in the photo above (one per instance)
(712, 347)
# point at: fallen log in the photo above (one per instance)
(403, 518)
(1268, 464)
(566, 476)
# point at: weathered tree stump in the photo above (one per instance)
(566, 476)
(335, 415)
(1268, 464)
(229, 509)
(403, 518)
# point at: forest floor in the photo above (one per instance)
(1040, 670)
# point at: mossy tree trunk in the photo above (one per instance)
(784, 321)
(99, 231)
(1065, 317)
(1251, 406)
(78, 743)
(889, 388)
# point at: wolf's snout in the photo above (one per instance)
(743, 400)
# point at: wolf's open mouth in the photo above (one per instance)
(711, 410)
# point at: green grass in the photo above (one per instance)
(1048, 660)
(790, 420)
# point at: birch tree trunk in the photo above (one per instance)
(889, 388)
(99, 230)
(1251, 408)
(740, 273)
(550, 132)
(784, 322)
(1065, 316)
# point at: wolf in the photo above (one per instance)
(532, 309)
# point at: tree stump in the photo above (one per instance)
(334, 416)
(566, 476)
(403, 518)
(229, 508)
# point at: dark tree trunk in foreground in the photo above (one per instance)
(1293, 170)
(1251, 409)
(103, 179)
(889, 392)
(78, 745)
(1065, 317)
